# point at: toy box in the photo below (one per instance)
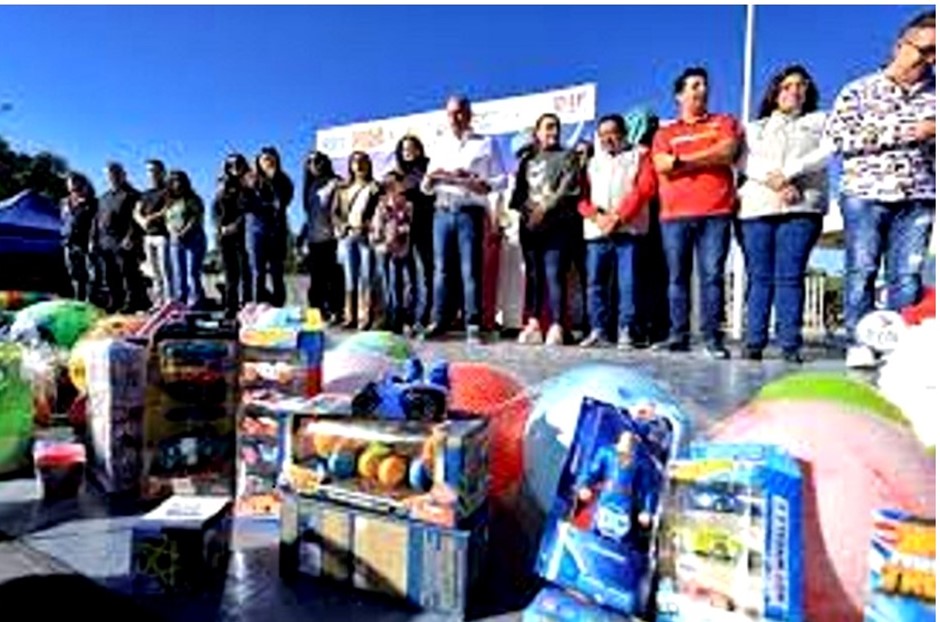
(182, 546)
(731, 545)
(556, 605)
(116, 376)
(432, 567)
(282, 350)
(599, 537)
(903, 574)
(190, 409)
(433, 472)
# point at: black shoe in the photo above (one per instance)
(672, 345)
(434, 331)
(793, 357)
(717, 352)
(752, 354)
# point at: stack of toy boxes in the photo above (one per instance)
(182, 546)
(116, 377)
(599, 539)
(731, 545)
(190, 408)
(903, 571)
(281, 365)
(397, 507)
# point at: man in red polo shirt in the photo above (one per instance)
(693, 157)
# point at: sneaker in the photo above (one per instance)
(750, 353)
(624, 341)
(792, 357)
(555, 336)
(595, 339)
(860, 357)
(673, 344)
(434, 331)
(473, 336)
(530, 335)
(717, 352)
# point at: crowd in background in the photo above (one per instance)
(406, 251)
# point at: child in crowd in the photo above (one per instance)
(391, 237)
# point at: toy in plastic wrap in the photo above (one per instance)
(903, 574)
(731, 542)
(433, 567)
(282, 349)
(56, 322)
(433, 472)
(182, 546)
(190, 408)
(262, 451)
(556, 605)
(116, 375)
(16, 410)
(599, 538)
(411, 396)
(60, 468)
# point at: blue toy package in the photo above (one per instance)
(903, 575)
(556, 605)
(599, 537)
(730, 547)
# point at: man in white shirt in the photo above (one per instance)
(465, 168)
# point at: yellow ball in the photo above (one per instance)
(370, 459)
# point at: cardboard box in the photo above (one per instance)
(731, 545)
(116, 372)
(190, 409)
(556, 605)
(432, 567)
(182, 546)
(903, 573)
(600, 533)
(433, 472)
(282, 350)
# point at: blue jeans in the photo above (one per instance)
(606, 259)
(358, 262)
(460, 229)
(776, 251)
(546, 269)
(264, 261)
(898, 231)
(188, 254)
(402, 303)
(709, 238)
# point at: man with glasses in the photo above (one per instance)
(884, 127)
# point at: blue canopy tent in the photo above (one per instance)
(30, 243)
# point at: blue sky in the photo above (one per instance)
(188, 84)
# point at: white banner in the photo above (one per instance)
(574, 104)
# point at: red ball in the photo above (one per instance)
(853, 464)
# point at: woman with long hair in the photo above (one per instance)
(318, 234)
(782, 203)
(546, 196)
(411, 163)
(267, 227)
(233, 200)
(354, 207)
(78, 213)
(184, 214)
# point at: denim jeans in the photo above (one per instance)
(459, 230)
(776, 251)
(546, 270)
(358, 266)
(609, 258)
(898, 231)
(708, 237)
(401, 286)
(76, 262)
(233, 252)
(265, 260)
(188, 255)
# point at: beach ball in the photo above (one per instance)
(496, 394)
(16, 409)
(377, 342)
(853, 464)
(348, 372)
(61, 322)
(551, 425)
(909, 378)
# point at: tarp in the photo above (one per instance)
(29, 225)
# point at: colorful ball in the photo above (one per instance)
(392, 471)
(370, 460)
(853, 464)
(348, 372)
(377, 342)
(419, 475)
(61, 321)
(324, 444)
(550, 428)
(909, 378)
(342, 464)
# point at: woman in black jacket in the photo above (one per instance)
(233, 200)
(412, 164)
(267, 227)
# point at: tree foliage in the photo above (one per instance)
(43, 172)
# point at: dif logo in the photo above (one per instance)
(569, 103)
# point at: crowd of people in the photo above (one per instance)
(406, 250)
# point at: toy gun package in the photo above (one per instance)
(903, 573)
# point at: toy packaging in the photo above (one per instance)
(415, 395)
(433, 472)
(731, 544)
(599, 537)
(282, 350)
(116, 376)
(432, 567)
(192, 401)
(182, 546)
(903, 574)
(556, 605)
(16, 404)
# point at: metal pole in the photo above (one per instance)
(737, 255)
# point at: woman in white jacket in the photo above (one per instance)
(782, 203)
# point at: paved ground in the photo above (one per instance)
(47, 546)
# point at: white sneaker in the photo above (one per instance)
(556, 336)
(531, 334)
(860, 357)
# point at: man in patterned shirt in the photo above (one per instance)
(884, 127)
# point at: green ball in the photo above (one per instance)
(16, 410)
(833, 387)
